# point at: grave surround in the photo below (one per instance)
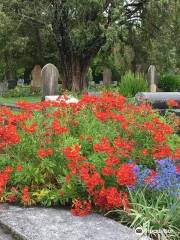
(59, 224)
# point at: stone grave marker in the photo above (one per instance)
(59, 224)
(3, 87)
(36, 82)
(107, 76)
(50, 76)
(159, 99)
(152, 78)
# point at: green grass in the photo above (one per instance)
(13, 100)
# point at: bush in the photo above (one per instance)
(80, 154)
(170, 83)
(21, 91)
(132, 84)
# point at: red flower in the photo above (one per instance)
(144, 152)
(172, 103)
(42, 153)
(113, 198)
(81, 208)
(26, 195)
(57, 128)
(90, 138)
(31, 129)
(102, 116)
(11, 198)
(9, 169)
(81, 137)
(161, 152)
(151, 177)
(178, 168)
(107, 171)
(19, 168)
(126, 175)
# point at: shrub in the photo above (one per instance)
(132, 84)
(21, 91)
(170, 83)
(80, 154)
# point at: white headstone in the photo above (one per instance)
(152, 78)
(50, 76)
(67, 99)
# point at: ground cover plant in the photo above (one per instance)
(13, 100)
(89, 155)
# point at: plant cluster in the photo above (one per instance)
(87, 154)
(21, 91)
(132, 83)
(170, 82)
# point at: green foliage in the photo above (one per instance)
(21, 91)
(13, 100)
(132, 84)
(153, 213)
(170, 82)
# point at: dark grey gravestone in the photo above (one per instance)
(59, 224)
(50, 76)
(159, 99)
(12, 84)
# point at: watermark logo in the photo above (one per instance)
(160, 234)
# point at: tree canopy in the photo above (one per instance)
(122, 34)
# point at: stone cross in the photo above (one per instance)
(36, 82)
(152, 78)
(50, 76)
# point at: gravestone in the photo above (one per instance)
(107, 76)
(152, 78)
(36, 82)
(158, 100)
(10, 77)
(3, 87)
(20, 81)
(50, 76)
(92, 83)
(59, 224)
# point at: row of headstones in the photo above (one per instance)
(151, 78)
(47, 79)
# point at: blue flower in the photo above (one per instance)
(166, 179)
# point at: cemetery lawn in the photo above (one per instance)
(13, 100)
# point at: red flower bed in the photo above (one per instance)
(83, 153)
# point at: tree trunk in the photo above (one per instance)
(27, 74)
(74, 74)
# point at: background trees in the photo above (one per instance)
(117, 34)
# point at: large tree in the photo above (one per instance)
(80, 28)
